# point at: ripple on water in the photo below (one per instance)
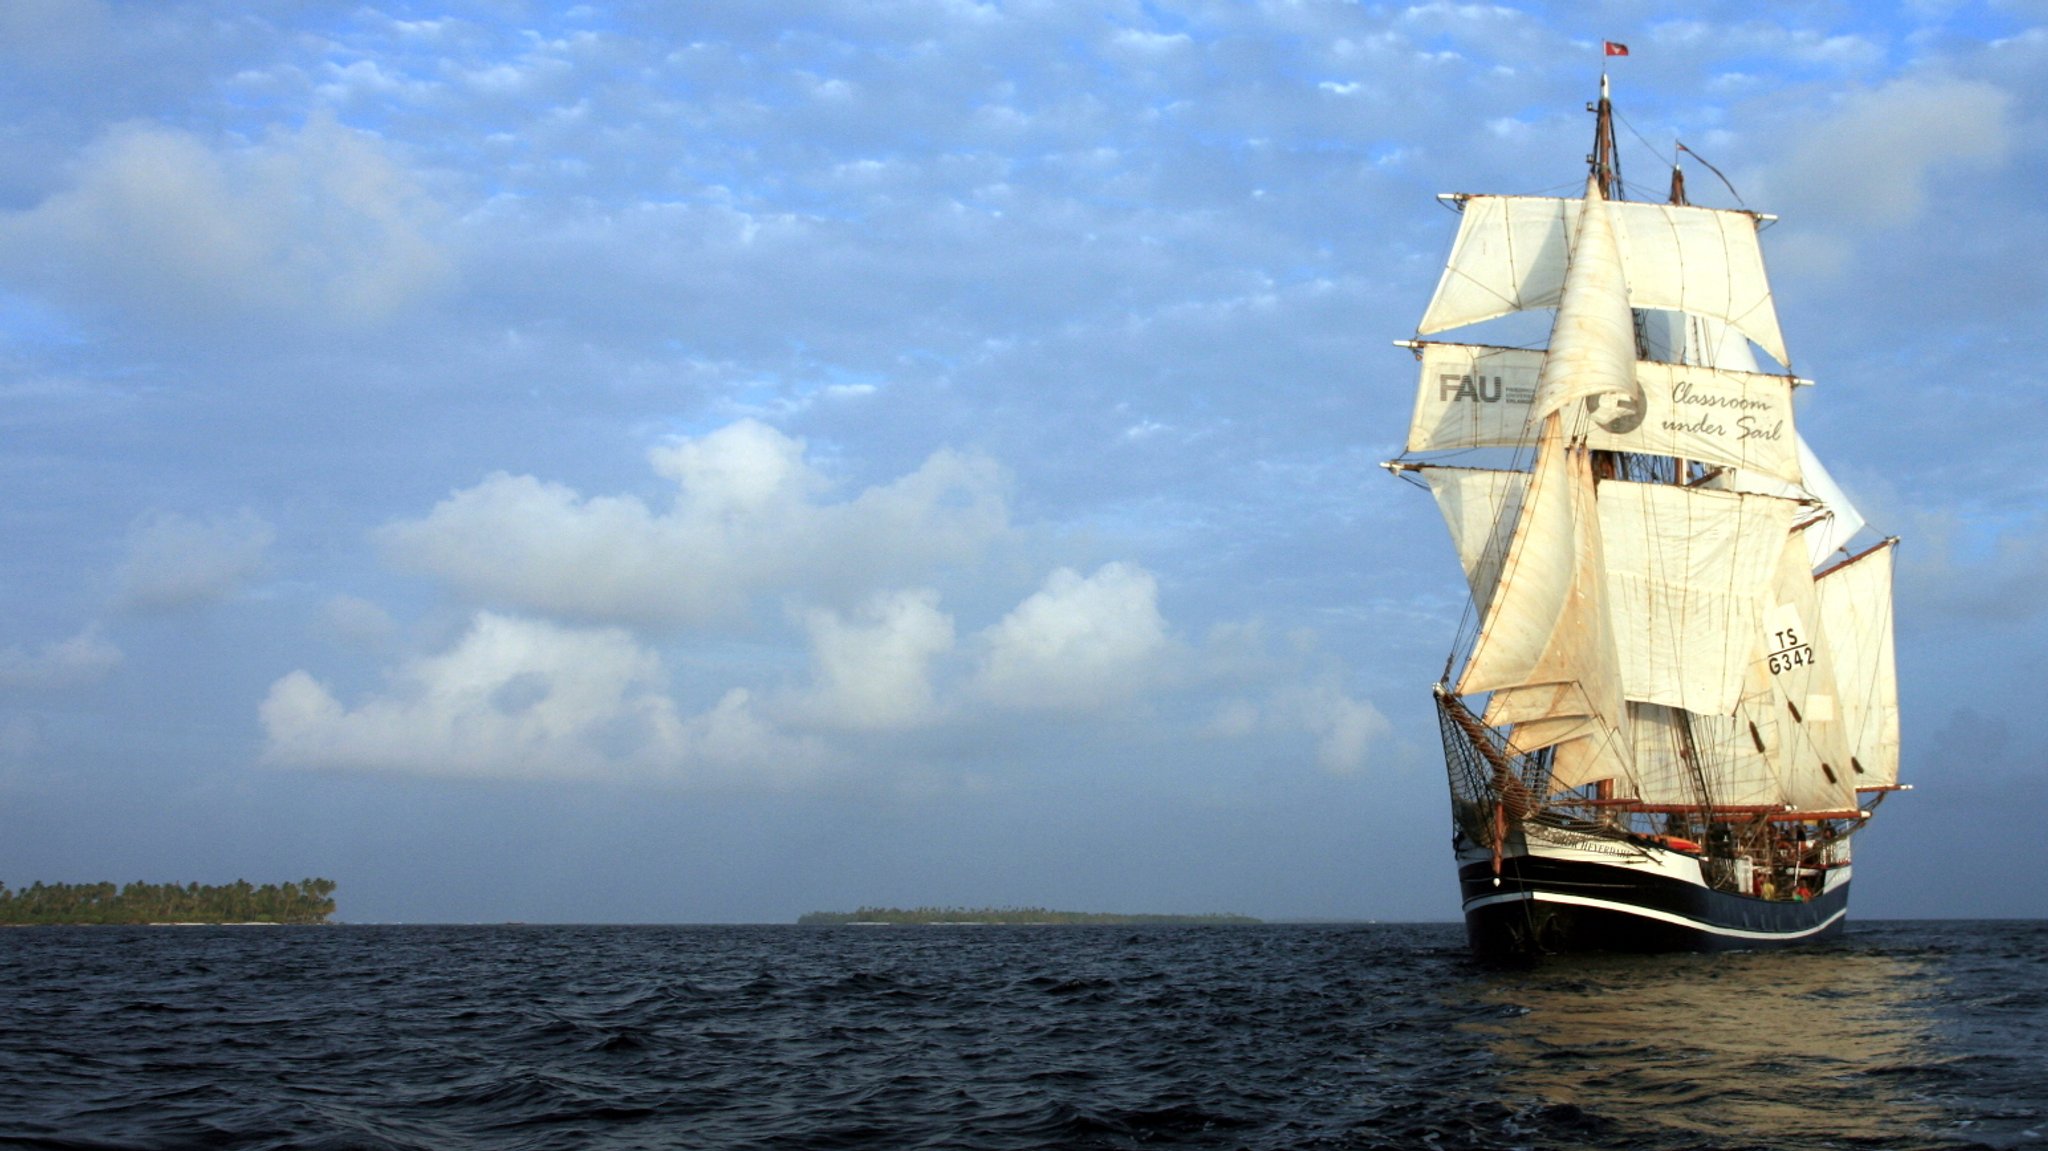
(1901, 1036)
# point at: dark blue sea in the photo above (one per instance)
(1901, 1035)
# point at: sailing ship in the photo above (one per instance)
(1671, 703)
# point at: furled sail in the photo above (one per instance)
(1856, 626)
(1512, 251)
(1476, 396)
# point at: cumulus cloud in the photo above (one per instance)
(874, 671)
(176, 561)
(529, 699)
(1079, 643)
(749, 515)
(320, 225)
(84, 658)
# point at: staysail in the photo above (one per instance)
(1546, 649)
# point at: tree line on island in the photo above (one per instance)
(1004, 915)
(307, 901)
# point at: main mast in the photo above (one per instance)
(1604, 161)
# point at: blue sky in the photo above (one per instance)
(711, 462)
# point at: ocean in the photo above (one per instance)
(1900, 1035)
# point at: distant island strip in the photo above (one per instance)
(896, 916)
(307, 901)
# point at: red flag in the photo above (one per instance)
(1614, 49)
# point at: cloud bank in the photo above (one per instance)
(749, 515)
(600, 610)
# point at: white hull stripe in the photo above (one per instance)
(1652, 913)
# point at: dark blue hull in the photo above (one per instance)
(1541, 906)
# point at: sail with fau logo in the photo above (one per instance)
(1672, 703)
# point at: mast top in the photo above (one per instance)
(1605, 163)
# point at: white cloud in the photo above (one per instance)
(1344, 729)
(357, 621)
(748, 517)
(84, 658)
(529, 699)
(1078, 643)
(1870, 162)
(874, 672)
(176, 561)
(319, 225)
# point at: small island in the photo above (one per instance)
(307, 901)
(921, 916)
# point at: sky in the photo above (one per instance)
(712, 462)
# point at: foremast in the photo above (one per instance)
(1653, 653)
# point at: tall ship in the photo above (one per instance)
(1671, 703)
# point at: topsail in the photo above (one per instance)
(1512, 251)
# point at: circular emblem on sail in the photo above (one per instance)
(1617, 412)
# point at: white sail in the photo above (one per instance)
(1856, 625)
(1511, 253)
(1686, 571)
(1546, 647)
(1838, 521)
(1480, 507)
(1831, 523)
(1812, 756)
(1476, 396)
(1732, 756)
(1592, 354)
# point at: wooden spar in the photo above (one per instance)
(1676, 808)
(1876, 787)
(1772, 812)
(1872, 550)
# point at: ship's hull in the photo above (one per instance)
(1554, 897)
